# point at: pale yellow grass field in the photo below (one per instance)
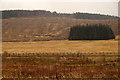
(61, 46)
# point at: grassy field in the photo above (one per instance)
(61, 67)
(58, 68)
(61, 46)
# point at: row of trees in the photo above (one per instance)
(92, 16)
(44, 13)
(91, 32)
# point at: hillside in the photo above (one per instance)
(45, 28)
(35, 25)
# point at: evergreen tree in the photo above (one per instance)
(91, 32)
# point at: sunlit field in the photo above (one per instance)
(61, 46)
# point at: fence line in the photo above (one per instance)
(66, 54)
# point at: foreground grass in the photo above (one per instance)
(58, 68)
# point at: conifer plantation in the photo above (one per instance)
(91, 32)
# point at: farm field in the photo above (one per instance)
(61, 46)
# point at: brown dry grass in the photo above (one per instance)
(61, 46)
(53, 67)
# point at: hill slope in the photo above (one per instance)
(45, 28)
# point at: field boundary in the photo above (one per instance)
(66, 54)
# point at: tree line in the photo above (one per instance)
(91, 32)
(44, 13)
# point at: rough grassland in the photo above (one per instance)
(58, 68)
(61, 46)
